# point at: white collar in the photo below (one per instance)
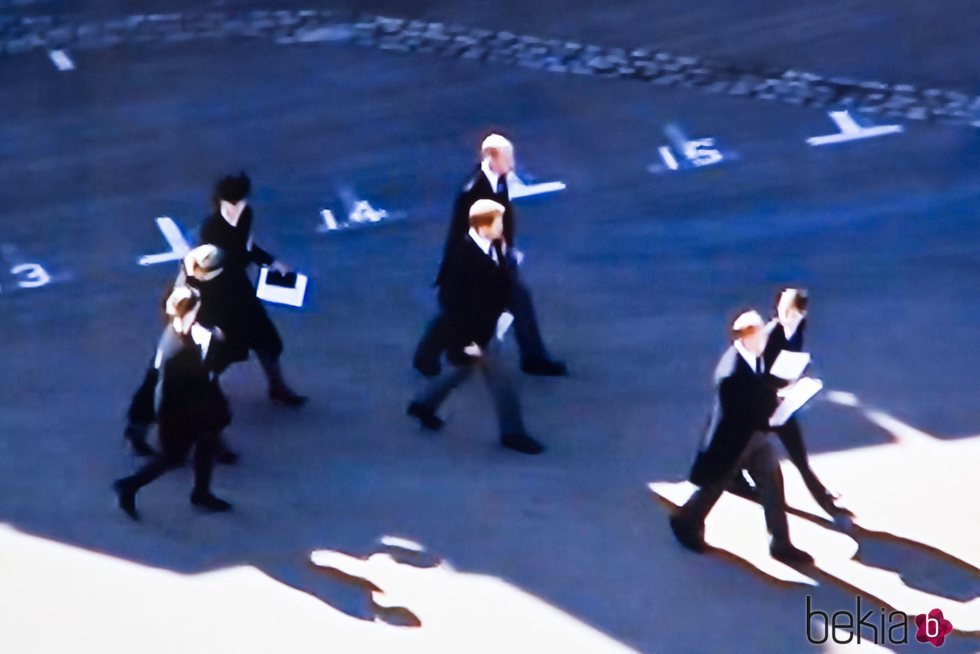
(789, 328)
(491, 175)
(231, 213)
(748, 356)
(484, 243)
(201, 336)
(198, 333)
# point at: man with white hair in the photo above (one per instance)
(489, 182)
(474, 294)
(737, 437)
(785, 333)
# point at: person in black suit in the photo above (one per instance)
(189, 404)
(231, 303)
(198, 268)
(489, 182)
(736, 438)
(785, 332)
(474, 292)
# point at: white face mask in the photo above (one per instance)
(231, 212)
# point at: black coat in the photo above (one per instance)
(778, 342)
(477, 187)
(474, 292)
(228, 301)
(743, 406)
(189, 398)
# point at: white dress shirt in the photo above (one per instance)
(491, 175)
(485, 244)
(748, 356)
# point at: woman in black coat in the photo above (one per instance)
(229, 299)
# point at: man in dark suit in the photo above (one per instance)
(474, 293)
(489, 182)
(201, 265)
(231, 303)
(785, 332)
(736, 438)
(189, 404)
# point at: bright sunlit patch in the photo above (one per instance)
(919, 489)
(59, 598)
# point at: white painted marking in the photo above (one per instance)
(701, 152)
(61, 60)
(34, 275)
(669, 160)
(363, 212)
(329, 221)
(179, 246)
(682, 152)
(842, 397)
(518, 189)
(851, 131)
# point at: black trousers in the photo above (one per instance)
(792, 438)
(176, 442)
(490, 366)
(759, 458)
(526, 331)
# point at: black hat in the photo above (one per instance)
(233, 188)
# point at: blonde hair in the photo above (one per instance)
(484, 212)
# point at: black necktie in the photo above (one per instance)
(758, 365)
(498, 247)
(501, 185)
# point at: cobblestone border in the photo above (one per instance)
(902, 101)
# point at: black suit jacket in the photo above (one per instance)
(743, 406)
(190, 397)
(477, 187)
(474, 292)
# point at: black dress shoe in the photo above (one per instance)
(287, 397)
(426, 416)
(428, 367)
(209, 502)
(544, 367)
(521, 443)
(136, 435)
(790, 554)
(689, 535)
(126, 497)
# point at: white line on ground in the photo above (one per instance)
(61, 60)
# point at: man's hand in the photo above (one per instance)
(473, 350)
(518, 256)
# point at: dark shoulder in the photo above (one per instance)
(211, 224)
(474, 181)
